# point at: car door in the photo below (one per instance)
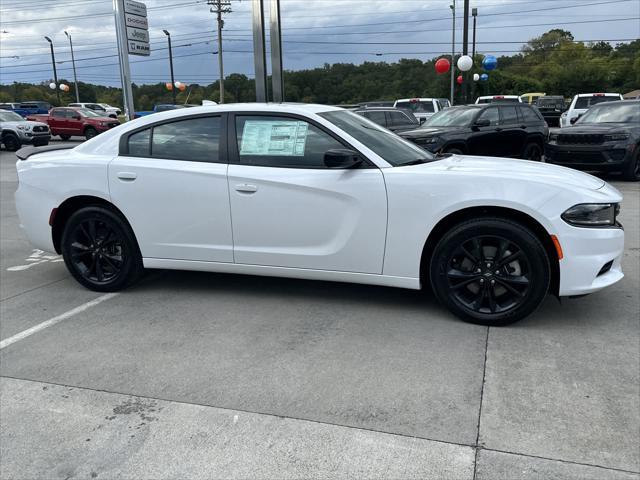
(73, 122)
(485, 139)
(58, 121)
(514, 134)
(290, 210)
(170, 181)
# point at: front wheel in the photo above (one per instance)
(632, 170)
(11, 142)
(490, 271)
(90, 132)
(100, 250)
(532, 151)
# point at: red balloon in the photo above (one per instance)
(460, 80)
(442, 65)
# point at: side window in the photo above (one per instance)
(193, 139)
(398, 118)
(490, 114)
(282, 142)
(59, 113)
(509, 115)
(376, 117)
(529, 115)
(139, 143)
(70, 114)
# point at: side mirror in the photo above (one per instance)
(342, 158)
(483, 122)
(575, 119)
(76, 117)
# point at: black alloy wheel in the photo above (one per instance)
(11, 142)
(490, 271)
(533, 151)
(90, 132)
(100, 251)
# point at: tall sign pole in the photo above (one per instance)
(259, 52)
(132, 32)
(277, 77)
(73, 62)
(465, 49)
(453, 48)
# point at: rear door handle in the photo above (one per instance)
(246, 188)
(127, 176)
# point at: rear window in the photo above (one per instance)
(377, 117)
(416, 106)
(586, 102)
(546, 102)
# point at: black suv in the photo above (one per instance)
(498, 130)
(394, 119)
(606, 138)
(551, 107)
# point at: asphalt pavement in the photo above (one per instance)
(197, 375)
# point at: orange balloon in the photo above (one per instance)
(182, 87)
(169, 86)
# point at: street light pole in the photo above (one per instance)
(55, 73)
(73, 61)
(173, 81)
(474, 14)
(465, 49)
(453, 47)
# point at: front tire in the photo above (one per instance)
(490, 271)
(100, 250)
(11, 142)
(90, 132)
(532, 151)
(632, 170)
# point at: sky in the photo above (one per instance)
(314, 32)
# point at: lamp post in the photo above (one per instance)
(173, 82)
(474, 14)
(453, 47)
(73, 62)
(55, 73)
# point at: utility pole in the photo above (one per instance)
(55, 73)
(465, 49)
(73, 62)
(474, 14)
(220, 7)
(453, 48)
(173, 80)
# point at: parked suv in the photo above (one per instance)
(101, 108)
(606, 138)
(582, 102)
(422, 108)
(498, 98)
(394, 119)
(551, 107)
(499, 130)
(15, 131)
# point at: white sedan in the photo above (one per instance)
(317, 192)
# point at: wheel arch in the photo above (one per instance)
(459, 144)
(454, 218)
(72, 205)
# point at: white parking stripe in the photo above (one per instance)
(48, 323)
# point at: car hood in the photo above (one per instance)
(595, 128)
(506, 168)
(100, 119)
(28, 123)
(430, 131)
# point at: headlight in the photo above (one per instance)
(564, 115)
(613, 137)
(429, 140)
(592, 215)
(22, 127)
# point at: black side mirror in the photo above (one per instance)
(342, 158)
(482, 122)
(575, 119)
(76, 117)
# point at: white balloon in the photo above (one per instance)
(63, 87)
(177, 84)
(476, 77)
(52, 86)
(465, 63)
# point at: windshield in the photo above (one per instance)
(586, 102)
(416, 106)
(386, 144)
(624, 113)
(10, 117)
(452, 117)
(85, 112)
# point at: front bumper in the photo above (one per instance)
(602, 157)
(35, 139)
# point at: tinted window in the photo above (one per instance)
(75, 105)
(73, 114)
(490, 114)
(28, 105)
(139, 143)
(509, 115)
(193, 139)
(417, 106)
(377, 117)
(398, 118)
(613, 113)
(586, 102)
(282, 142)
(59, 113)
(529, 115)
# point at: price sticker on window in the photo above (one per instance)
(285, 138)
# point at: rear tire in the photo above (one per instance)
(65, 137)
(90, 132)
(490, 271)
(100, 250)
(11, 142)
(632, 170)
(533, 152)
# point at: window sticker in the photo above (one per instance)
(276, 137)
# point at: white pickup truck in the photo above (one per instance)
(582, 102)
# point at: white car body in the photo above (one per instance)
(359, 225)
(426, 107)
(498, 98)
(589, 99)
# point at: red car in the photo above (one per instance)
(67, 122)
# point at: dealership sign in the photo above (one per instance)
(135, 21)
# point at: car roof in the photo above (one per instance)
(428, 99)
(502, 96)
(598, 95)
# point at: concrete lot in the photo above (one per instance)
(193, 375)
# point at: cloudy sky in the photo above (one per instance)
(314, 32)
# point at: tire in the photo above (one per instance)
(490, 271)
(100, 250)
(11, 142)
(90, 132)
(632, 170)
(454, 151)
(65, 137)
(533, 151)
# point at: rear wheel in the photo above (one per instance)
(100, 250)
(90, 132)
(65, 137)
(632, 170)
(11, 142)
(532, 151)
(490, 271)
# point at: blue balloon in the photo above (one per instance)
(484, 77)
(490, 63)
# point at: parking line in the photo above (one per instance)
(48, 323)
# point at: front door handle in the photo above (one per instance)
(246, 188)
(127, 176)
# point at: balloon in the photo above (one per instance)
(459, 80)
(490, 63)
(169, 86)
(182, 87)
(476, 77)
(177, 84)
(465, 63)
(442, 65)
(52, 86)
(484, 77)
(64, 87)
